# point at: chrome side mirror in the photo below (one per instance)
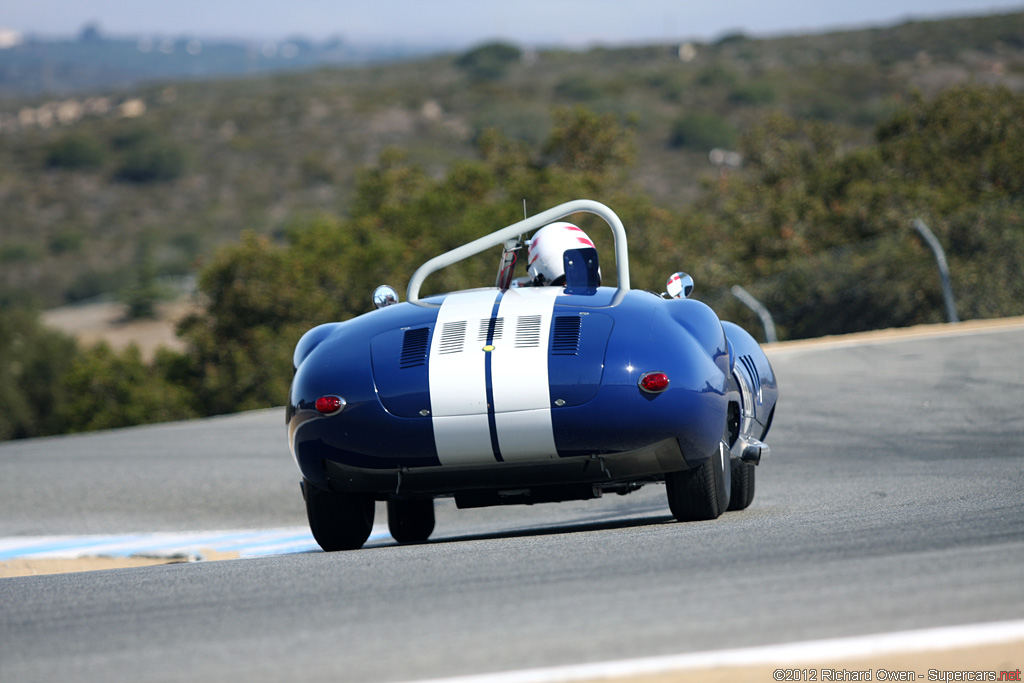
(679, 286)
(385, 295)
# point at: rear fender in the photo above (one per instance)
(312, 339)
(753, 373)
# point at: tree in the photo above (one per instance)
(113, 389)
(822, 231)
(261, 295)
(152, 164)
(588, 144)
(75, 151)
(489, 62)
(142, 295)
(33, 361)
(702, 132)
(256, 294)
(966, 143)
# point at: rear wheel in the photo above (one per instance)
(339, 521)
(701, 493)
(742, 485)
(411, 521)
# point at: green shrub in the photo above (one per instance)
(34, 360)
(93, 283)
(753, 93)
(315, 171)
(153, 162)
(19, 252)
(578, 89)
(67, 241)
(76, 151)
(702, 132)
(489, 62)
(717, 75)
(114, 389)
(132, 135)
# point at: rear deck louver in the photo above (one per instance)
(528, 331)
(565, 335)
(453, 335)
(491, 328)
(414, 347)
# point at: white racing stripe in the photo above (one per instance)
(788, 654)
(458, 384)
(526, 435)
(518, 375)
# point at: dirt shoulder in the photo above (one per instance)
(901, 333)
(93, 323)
(26, 566)
(33, 567)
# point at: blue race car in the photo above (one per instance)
(543, 388)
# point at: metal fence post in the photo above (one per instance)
(757, 307)
(940, 258)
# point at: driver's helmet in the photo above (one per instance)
(545, 265)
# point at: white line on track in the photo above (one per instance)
(245, 542)
(924, 640)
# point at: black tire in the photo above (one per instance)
(742, 485)
(411, 521)
(702, 493)
(339, 521)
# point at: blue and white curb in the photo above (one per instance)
(189, 544)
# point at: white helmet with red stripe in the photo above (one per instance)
(546, 266)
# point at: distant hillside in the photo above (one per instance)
(100, 187)
(40, 66)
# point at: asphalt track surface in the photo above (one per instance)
(892, 501)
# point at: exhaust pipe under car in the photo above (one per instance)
(749, 449)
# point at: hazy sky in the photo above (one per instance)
(461, 22)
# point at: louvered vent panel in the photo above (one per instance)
(755, 378)
(453, 334)
(565, 336)
(414, 347)
(528, 331)
(492, 326)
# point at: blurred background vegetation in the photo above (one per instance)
(792, 166)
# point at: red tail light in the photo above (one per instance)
(330, 405)
(654, 382)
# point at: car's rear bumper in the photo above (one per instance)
(539, 481)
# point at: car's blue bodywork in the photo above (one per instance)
(524, 395)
